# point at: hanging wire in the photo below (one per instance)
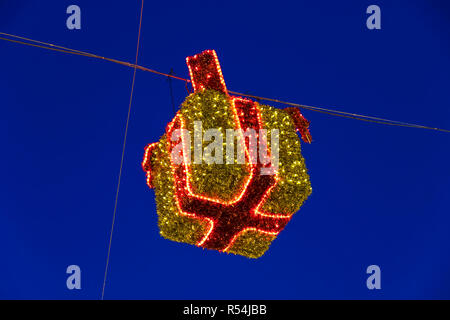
(57, 48)
(169, 79)
(355, 116)
(123, 153)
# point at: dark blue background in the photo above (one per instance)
(380, 193)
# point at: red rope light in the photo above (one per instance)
(226, 220)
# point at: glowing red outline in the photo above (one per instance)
(210, 221)
(187, 173)
(217, 64)
(149, 148)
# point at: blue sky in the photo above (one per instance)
(380, 193)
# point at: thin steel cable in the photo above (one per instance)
(54, 47)
(355, 116)
(123, 153)
(345, 114)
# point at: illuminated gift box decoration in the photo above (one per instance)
(230, 207)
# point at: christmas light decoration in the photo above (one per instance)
(231, 207)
